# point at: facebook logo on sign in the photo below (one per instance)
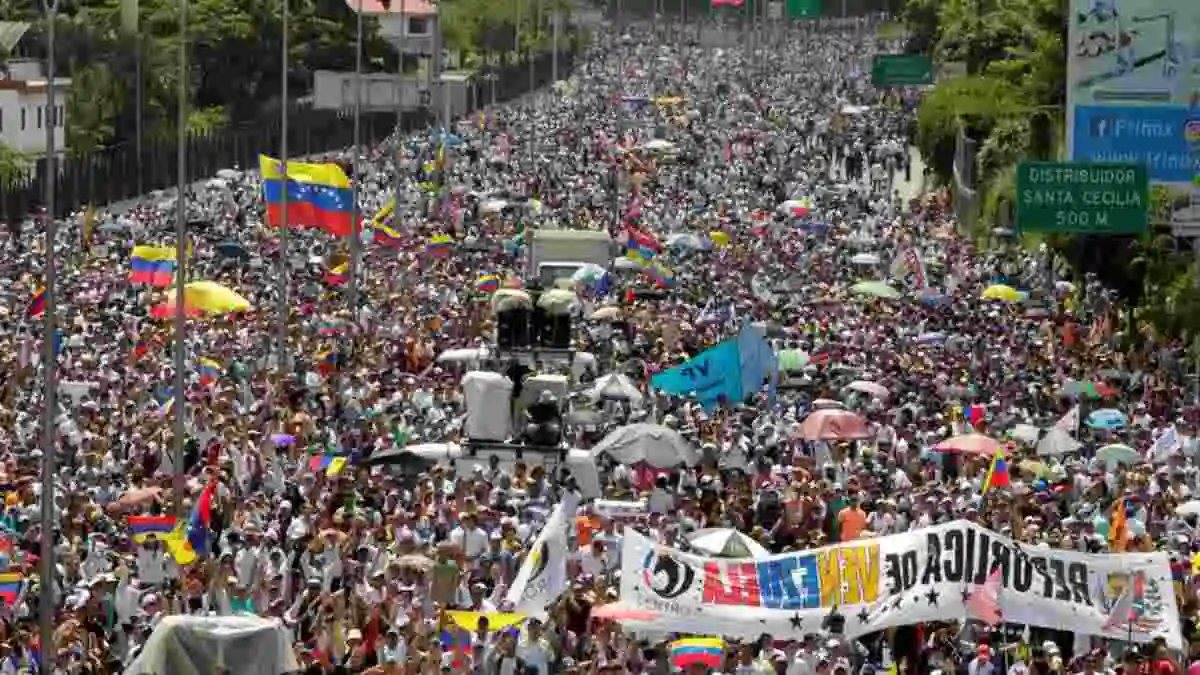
(1101, 126)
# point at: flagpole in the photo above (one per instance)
(49, 354)
(535, 16)
(181, 262)
(354, 179)
(281, 360)
(620, 140)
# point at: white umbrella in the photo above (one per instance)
(870, 388)
(618, 387)
(493, 206)
(658, 446)
(1026, 433)
(1057, 442)
(726, 543)
(464, 355)
(685, 240)
(865, 259)
(609, 313)
(1188, 508)
(658, 145)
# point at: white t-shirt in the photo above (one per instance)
(473, 543)
(536, 653)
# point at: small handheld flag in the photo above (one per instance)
(37, 303)
(11, 584)
(147, 528)
(997, 475)
(706, 651)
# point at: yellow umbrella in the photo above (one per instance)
(1002, 293)
(1035, 468)
(718, 238)
(209, 297)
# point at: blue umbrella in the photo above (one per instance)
(814, 226)
(931, 338)
(930, 296)
(1107, 418)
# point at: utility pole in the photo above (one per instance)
(49, 355)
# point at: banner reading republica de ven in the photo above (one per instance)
(923, 575)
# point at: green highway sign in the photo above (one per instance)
(902, 70)
(802, 9)
(1082, 197)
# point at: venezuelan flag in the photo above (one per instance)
(145, 528)
(154, 265)
(487, 283)
(37, 303)
(336, 465)
(328, 360)
(997, 475)
(387, 237)
(338, 275)
(331, 464)
(708, 652)
(642, 241)
(440, 246)
(11, 584)
(458, 643)
(660, 273)
(384, 216)
(319, 195)
(210, 370)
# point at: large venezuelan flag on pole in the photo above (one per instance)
(154, 265)
(319, 195)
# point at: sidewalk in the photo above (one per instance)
(915, 187)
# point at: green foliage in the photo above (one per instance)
(234, 55)
(12, 164)
(977, 102)
(1012, 103)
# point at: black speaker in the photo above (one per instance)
(556, 332)
(538, 323)
(544, 426)
(513, 329)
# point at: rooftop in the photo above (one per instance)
(396, 7)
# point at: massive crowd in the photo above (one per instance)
(360, 564)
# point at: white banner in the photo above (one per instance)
(923, 575)
(543, 574)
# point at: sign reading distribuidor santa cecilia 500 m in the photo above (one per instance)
(1083, 197)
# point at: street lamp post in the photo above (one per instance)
(178, 408)
(356, 178)
(281, 360)
(49, 354)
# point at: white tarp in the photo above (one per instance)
(923, 575)
(196, 645)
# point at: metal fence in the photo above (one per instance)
(967, 201)
(115, 173)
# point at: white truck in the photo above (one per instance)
(556, 254)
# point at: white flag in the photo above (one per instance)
(1167, 444)
(1070, 421)
(543, 574)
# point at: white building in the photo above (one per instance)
(23, 111)
(408, 25)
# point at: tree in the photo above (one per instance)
(976, 103)
(234, 59)
(13, 165)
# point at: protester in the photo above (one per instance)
(373, 569)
